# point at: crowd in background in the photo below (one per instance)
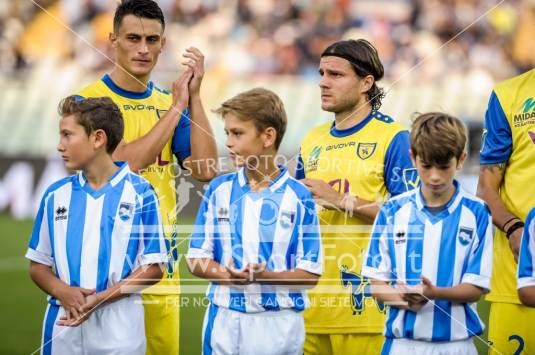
(274, 37)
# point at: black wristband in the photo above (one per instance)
(509, 221)
(513, 228)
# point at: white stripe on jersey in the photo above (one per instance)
(526, 259)
(94, 239)
(277, 225)
(449, 248)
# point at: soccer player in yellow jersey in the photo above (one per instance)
(506, 183)
(158, 125)
(351, 165)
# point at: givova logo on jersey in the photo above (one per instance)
(313, 158)
(527, 114)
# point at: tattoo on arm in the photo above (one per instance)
(494, 167)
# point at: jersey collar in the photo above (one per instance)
(112, 180)
(125, 93)
(340, 133)
(273, 185)
(450, 206)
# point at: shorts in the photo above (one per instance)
(114, 328)
(162, 323)
(417, 347)
(333, 344)
(266, 333)
(511, 329)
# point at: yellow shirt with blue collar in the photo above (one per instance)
(509, 137)
(371, 161)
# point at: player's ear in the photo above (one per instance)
(113, 38)
(461, 160)
(367, 83)
(164, 40)
(99, 138)
(269, 136)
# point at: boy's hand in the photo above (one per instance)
(196, 65)
(92, 302)
(256, 270)
(428, 289)
(73, 299)
(324, 194)
(240, 278)
(181, 91)
(413, 296)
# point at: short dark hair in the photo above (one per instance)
(95, 113)
(140, 8)
(437, 137)
(364, 59)
(260, 105)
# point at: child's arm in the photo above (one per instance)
(297, 276)
(463, 293)
(388, 294)
(71, 298)
(211, 270)
(138, 280)
(527, 295)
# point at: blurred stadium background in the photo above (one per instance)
(438, 55)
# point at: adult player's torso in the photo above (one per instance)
(517, 99)
(141, 111)
(351, 163)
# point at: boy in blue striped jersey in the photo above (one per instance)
(526, 263)
(430, 256)
(256, 238)
(97, 239)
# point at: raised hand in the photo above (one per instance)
(180, 90)
(195, 63)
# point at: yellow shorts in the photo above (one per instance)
(511, 329)
(334, 344)
(162, 323)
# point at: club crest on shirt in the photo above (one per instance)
(411, 179)
(365, 150)
(287, 219)
(465, 235)
(313, 158)
(125, 211)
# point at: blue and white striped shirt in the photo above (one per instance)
(278, 225)
(94, 239)
(526, 259)
(449, 248)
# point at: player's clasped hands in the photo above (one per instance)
(251, 273)
(78, 303)
(418, 295)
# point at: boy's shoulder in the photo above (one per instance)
(221, 179)
(59, 184)
(398, 201)
(299, 188)
(475, 203)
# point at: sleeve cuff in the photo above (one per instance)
(39, 257)
(310, 266)
(525, 282)
(195, 253)
(373, 273)
(477, 280)
(155, 258)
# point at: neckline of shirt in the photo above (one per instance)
(339, 133)
(126, 93)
